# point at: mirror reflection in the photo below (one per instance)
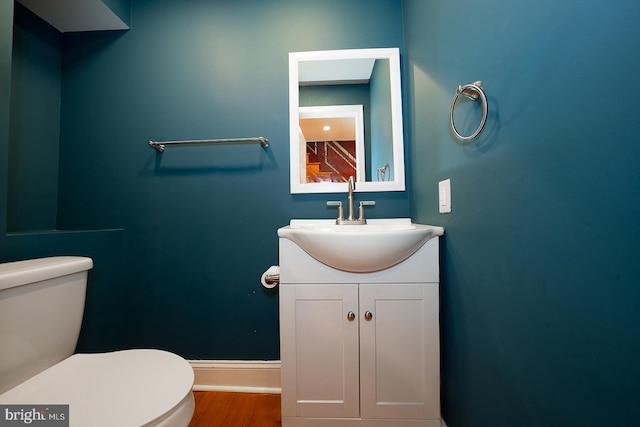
(332, 138)
(346, 120)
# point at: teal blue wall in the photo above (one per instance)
(180, 239)
(122, 8)
(540, 278)
(381, 129)
(30, 63)
(35, 124)
(6, 48)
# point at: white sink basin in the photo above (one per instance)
(380, 244)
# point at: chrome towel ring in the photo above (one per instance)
(473, 91)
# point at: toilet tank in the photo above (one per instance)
(41, 308)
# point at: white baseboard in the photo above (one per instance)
(237, 375)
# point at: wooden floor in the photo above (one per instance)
(214, 409)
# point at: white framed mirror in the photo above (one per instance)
(357, 94)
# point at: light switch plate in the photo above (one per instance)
(444, 196)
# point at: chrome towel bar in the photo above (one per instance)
(160, 146)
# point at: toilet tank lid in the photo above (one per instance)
(20, 273)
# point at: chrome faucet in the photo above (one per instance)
(351, 220)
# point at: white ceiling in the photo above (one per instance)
(342, 129)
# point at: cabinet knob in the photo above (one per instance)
(351, 316)
(368, 315)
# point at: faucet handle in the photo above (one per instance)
(332, 203)
(361, 209)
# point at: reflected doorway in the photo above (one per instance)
(332, 140)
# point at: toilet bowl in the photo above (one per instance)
(41, 305)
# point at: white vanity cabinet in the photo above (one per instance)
(359, 348)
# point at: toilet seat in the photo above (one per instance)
(123, 388)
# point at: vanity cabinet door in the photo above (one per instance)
(399, 353)
(319, 350)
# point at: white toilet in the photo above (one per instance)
(41, 308)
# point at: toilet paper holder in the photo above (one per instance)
(271, 277)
